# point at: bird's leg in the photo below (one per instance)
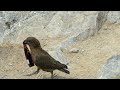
(52, 76)
(36, 72)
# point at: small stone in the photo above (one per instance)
(10, 64)
(83, 50)
(74, 50)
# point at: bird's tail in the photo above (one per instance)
(64, 70)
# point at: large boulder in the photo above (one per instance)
(73, 26)
(51, 24)
(113, 17)
(111, 70)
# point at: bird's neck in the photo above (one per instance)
(35, 52)
(36, 49)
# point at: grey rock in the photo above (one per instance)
(101, 19)
(111, 69)
(80, 24)
(113, 17)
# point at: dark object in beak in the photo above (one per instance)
(28, 55)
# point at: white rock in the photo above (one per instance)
(10, 64)
(74, 50)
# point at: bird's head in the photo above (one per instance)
(32, 42)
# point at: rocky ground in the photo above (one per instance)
(86, 63)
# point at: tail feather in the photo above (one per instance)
(64, 70)
(64, 66)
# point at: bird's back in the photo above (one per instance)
(45, 61)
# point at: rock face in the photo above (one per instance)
(76, 25)
(112, 68)
(113, 17)
(15, 26)
(72, 25)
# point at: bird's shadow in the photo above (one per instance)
(57, 77)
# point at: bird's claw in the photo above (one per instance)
(40, 76)
(54, 74)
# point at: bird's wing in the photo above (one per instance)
(47, 62)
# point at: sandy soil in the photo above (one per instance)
(86, 64)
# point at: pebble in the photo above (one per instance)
(10, 64)
(74, 50)
(83, 50)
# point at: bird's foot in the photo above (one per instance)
(54, 75)
(39, 76)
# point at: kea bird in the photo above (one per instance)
(40, 58)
